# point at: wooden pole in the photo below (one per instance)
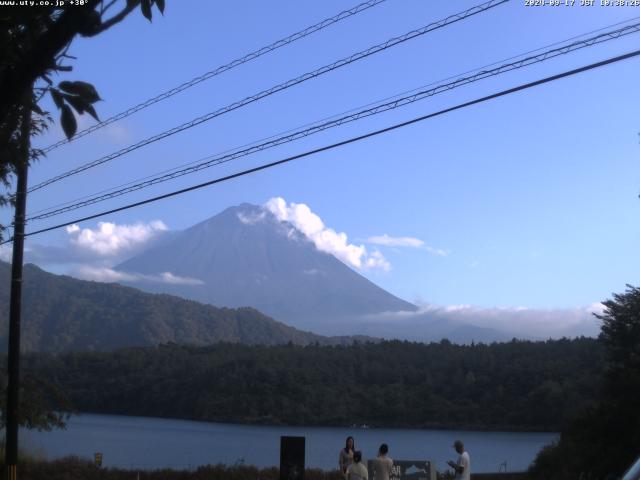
(15, 306)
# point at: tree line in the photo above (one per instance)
(519, 385)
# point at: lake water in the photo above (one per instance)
(150, 443)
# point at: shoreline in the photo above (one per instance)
(434, 427)
(183, 444)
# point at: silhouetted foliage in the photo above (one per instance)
(74, 468)
(34, 41)
(43, 405)
(605, 439)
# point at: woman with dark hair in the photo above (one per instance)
(357, 471)
(346, 456)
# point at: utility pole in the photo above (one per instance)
(13, 365)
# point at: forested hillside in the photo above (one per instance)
(61, 314)
(515, 385)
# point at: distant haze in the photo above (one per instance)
(246, 256)
(281, 259)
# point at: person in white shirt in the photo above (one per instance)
(382, 465)
(357, 470)
(463, 466)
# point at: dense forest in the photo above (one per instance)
(515, 385)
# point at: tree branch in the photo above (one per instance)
(131, 6)
(38, 59)
(107, 7)
(47, 47)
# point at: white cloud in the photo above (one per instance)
(389, 241)
(91, 253)
(6, 252)
(115, 134)
(377, 260)
(456, 308)
(412, 242)
(168, 277)
(102, 274)
(109, 275)
(437, 251)
(432, 322)
(110, 239)
(597, 308)
(251, 218)
(325, 239)
(522, 321)
(103, 246)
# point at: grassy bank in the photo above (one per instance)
(72, 468)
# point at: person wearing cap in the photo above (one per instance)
(463, 466)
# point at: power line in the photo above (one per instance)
(283, 86)
(352, 110)
(380, 108)
(221, 69)
(345, 142)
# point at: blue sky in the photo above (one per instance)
(527, 201)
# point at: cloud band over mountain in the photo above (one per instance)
(326, 239)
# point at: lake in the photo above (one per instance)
(150, 443)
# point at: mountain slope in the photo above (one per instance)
(244, 256)
(61, 313)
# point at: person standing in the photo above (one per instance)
(463, 466)
(357, 471)
(383, 464)
(346, 456)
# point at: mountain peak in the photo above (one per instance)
(231, 213)
(245, 256)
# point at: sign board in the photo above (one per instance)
(408, 470)
(292, 458)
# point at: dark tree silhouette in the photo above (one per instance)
(34, 41)
(604, 440)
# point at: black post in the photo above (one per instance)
(13, 366)
(292, 450)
